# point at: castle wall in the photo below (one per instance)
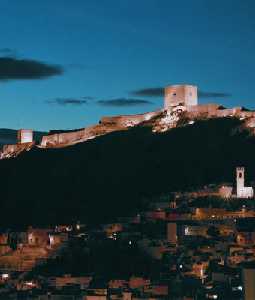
(9, 148)
(214, 110)
(128, 120)
(228, 112)
(110, 124)
(250, 122)
(107, 125)
(70, 138)
(209, 110)
(14, 150)
(62, 138)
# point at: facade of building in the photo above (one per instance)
(25, 136)
(241, 190)
(184, 95)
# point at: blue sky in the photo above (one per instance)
(108, 49)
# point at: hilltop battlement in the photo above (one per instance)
(179, 99)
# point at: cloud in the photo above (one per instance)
(13, 69)
(159, 92)
(88, 98)
(118, 102)
(67, 101)
(149, 92)
(123, 102)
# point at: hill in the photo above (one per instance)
(113, 174)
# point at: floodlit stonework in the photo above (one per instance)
(226, 191)
(180, 103)
(241, 190)
(106, 125)
(25, 136)
(180, 95)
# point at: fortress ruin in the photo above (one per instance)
(179, 99)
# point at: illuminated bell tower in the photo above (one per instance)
(239, 181)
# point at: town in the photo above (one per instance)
(189, 245)
(209, 250)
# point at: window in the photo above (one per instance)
(174, 94)
(240, 175)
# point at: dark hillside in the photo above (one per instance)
(109, 176)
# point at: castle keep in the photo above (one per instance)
(25, 136)
(184, 95)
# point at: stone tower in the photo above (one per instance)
(239, 181)
(180, 95)
(25, 136)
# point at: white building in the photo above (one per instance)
(241, 190)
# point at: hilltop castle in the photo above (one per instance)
(178, 100)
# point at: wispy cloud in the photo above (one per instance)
(88, 98)
(149, 92)
(12, 68)
(122, 102)
(67, 101)
(159, 92)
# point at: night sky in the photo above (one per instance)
(64, 64)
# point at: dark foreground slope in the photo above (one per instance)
(109, 176)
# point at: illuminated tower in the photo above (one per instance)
(239, 181)
(180, 95)
(25, 136)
